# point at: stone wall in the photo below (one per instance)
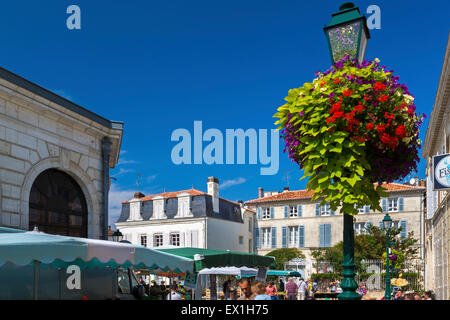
(37, 134)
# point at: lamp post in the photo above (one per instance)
(387, 223)
(117, 236)
(347, 34)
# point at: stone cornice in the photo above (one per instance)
(440, 108)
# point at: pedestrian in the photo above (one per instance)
(259, 290)
(163, 289)
(399, 295)
(271, 290)
(291, 289)
(417, 296)
(302, 289)
(246, 289)
(174, 295)
(315, 286)
(226, 289)
(429, 295)
(409, 296)
(282, 287)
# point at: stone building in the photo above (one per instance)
(289, 219)
(188, 218)
(54, 161)
(437, 219)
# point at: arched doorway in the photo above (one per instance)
(57, 205)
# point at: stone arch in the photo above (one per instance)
(79, 175)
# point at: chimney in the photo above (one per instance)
(260, 193)
(422, 183)
(286, 189)
(213, 191)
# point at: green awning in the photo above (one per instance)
(211, 258)
(286, 273)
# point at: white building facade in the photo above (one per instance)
(188, 218)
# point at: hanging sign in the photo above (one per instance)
(441, 172)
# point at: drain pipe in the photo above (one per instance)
(106, 152)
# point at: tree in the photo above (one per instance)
(284, 255)
(369, 246)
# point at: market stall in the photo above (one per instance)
(36, 265)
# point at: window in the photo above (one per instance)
(143, 240)
(266, 213)
(293, 211)
(266, 237)
(360, 228)
(393, 204)
(361, 209)
(292, 237)
(158, 240)
(250, 225)
(175, 239)
(325, 235)
(241, 240)
(325, 210)
(250, 245)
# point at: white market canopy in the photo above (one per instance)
(233, 271)
(24, 248)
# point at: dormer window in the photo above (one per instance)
(159, 208)
(184, 206)
(135, 210)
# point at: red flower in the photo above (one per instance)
(380, 128)
(337, 80)
(359, 108)
(379, 86)
(383, 98)
(369, 126)
(400, 131)
(323, 83)
(347, 92)
(391, 142)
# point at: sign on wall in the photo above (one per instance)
(441, 172)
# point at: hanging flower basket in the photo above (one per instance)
(353, 126)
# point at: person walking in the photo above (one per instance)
(174, 295)
(226, 289)
(302, 289)
(260, 291)
(291, 289)
(282, 287)
(246, 289)
(271, 290)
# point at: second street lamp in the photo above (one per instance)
(387, 223)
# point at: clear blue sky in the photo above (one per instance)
(160, 65)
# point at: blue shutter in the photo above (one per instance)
(321, 235)
(299, 210)
(258, 213)
(284, 237)
(286, 211)
(401, 205)
(317, 210)
(274, 237)
(328, 235)
(404, 232)
(301, 236)
(367, 209)
(271, 212)
(257, 237)
(384, 205)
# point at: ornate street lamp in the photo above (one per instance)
(347, 33)
(117, 236)
(387, 223)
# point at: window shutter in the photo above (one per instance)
(299, 210)
(182, 239)
(301, 236)
(194, 239)
(317, 210)
(258, 213)
(367, 209)
(328, 235)
(150, 240)
(284, 239)
(321, 235)
(401, 205)
(274, 237)
(384, 204)
(257, 238)
(272, 212)
(404, 232)
(286, 211)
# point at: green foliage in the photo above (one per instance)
(284, 255)
(370, 246)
